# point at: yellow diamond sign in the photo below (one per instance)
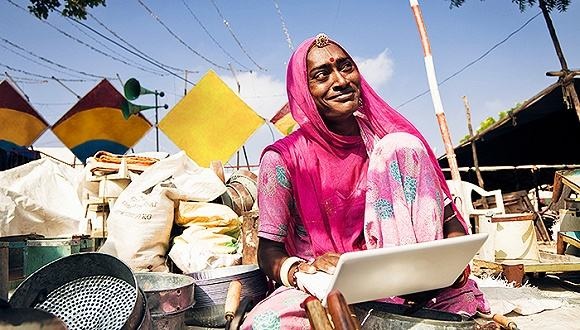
(211, 122)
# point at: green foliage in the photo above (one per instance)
(486, 123)
(72, 8)
(560, 5)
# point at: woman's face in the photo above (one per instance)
(333, 81)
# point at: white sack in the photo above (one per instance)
(199, 248)
(40, 197)
(141, 219)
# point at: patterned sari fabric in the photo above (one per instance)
(321, 192)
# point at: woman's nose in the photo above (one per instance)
(340, 80)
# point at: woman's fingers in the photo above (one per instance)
(306, 268)
(327, 262)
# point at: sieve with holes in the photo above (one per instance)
(86, 291)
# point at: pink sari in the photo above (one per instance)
(381, 189)
(310, 153)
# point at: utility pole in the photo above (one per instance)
(433, 87)
(566, 76)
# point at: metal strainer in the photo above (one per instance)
(86, 291)
(94, 302)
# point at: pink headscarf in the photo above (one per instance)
(310, 152)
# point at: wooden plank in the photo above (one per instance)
(549, 263)
(512, 217)
(249, 237)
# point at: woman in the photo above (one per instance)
(355, 175)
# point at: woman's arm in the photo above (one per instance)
(451, 227)
(271, 254)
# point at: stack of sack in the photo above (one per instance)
(176, 201)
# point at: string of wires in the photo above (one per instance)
(128, 44)
(114, 51)
(46, 60)
(212, 37)
(178, 38)
(227, 24)
(74, 38)
(456, 73)
(42, 76)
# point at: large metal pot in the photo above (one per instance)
(211, 291)
(168, 296)
(383, 316)
(86, 291)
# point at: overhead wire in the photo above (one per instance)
(284, 28)
(114, 51)
(212, 37)
(178, 38)
(76, 39)
(42, 76)
(227, 24)
(29, 80)
(128, 44)
(46, 60)
(38, 81)
(136, 53)
(465, 67)
(38, 63)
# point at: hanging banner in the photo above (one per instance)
(211, 122)
(20, 124)
(96, 123)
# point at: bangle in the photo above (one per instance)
(293, 279)
(285, 268)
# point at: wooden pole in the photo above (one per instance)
(568, 87)
(473, 147)
(434, 88)
(474, 150)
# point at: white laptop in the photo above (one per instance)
(393, 271)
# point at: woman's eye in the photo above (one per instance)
(347, 66)
(321, 75)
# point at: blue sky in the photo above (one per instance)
(381, 35)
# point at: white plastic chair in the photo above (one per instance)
(462, 192)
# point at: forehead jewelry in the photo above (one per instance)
(321, 41)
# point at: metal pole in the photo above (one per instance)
(433, 87)
(66, 87)
(156, 122)
(243, 147)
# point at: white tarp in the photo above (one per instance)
(40, 197)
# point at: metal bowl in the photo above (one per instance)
(211, 291)
(86, 291)
(167, 293)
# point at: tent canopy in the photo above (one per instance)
(543, 131)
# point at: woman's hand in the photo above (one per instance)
(326, 263)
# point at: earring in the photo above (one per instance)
(360, 102)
